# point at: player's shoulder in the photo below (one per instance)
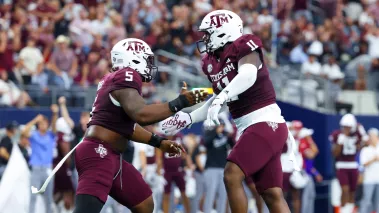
(248, 41)
(245, 45)
(124, 78)
(334, 135)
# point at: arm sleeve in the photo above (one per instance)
(200, 114)
(246, 77)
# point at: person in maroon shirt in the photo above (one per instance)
(174, 173)
(116, 116)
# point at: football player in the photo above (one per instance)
(234, 64)
(346, 143)
(117, 113)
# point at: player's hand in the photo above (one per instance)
(319, 178)
(214, 110)
(174, 149)
(176, 123)
(62, 100)
(195, 97)
(54, 108)
(38, 118)
(184, 88)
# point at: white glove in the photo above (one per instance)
(176, 123)
(214, 109)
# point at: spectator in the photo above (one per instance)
(217, 143)
(42, 141)
(80, 30)
(308, 149)
(311, 67)
(31, 64)
(101, 24)
(11, 95)
(198, 159)
(78, 130)
(117, 30)
(63, 187)
(372, 37)
(10, 42)
(6, 145)
(369, 158)
(360, 82)
(265, 17)
(298, 55)
(331, 68)
(63, 63)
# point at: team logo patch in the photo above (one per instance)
(135, 46)
(218, 20)
(273, 125)
(210, 68)
(101, 151)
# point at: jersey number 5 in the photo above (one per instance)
(252, 45)
(128, 76)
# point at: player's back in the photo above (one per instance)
(107, 111)
(222, 71)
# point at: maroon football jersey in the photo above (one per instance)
(222, 71)
(173, 164)
(106, 111)
(349, 145)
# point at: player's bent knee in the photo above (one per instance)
(272, 195)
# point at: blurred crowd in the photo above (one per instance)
(66, 43)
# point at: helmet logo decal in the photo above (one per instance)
(135, 46)
(218, 20)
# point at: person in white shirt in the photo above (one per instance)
(311, 67)
(369, 158)
(372, 38)
(31, 64)
(331, 68)
(265, 17)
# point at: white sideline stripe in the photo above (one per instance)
(59, 165)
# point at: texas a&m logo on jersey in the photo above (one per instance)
(135, 46)
(218, 20)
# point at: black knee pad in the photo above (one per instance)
(87, 204)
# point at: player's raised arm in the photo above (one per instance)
(134, 105)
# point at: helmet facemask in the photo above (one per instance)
(151, 69)
(208, 41)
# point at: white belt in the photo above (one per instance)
(346, 165)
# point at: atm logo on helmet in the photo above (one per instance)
(218, 20)
(135, 46)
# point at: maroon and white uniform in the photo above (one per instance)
(346, 163)
(62, 180)
(255, 112)
(173, 169)
(101, 170)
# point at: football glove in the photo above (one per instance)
(176, 123)
(214, 110)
